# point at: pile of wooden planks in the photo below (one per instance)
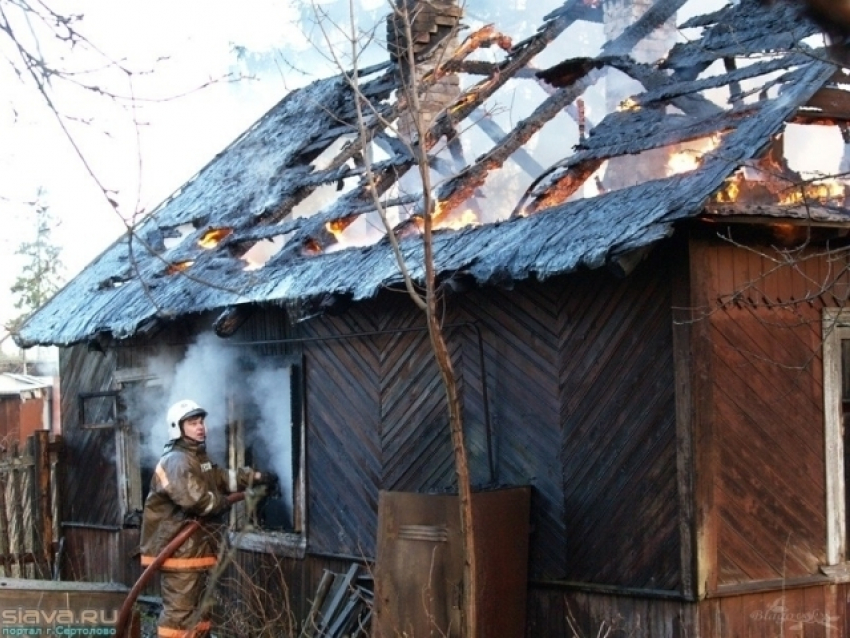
(342, 607)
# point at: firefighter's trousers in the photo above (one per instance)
(185, 612)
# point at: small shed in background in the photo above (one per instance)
(26, 405)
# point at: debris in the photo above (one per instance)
(342, 607)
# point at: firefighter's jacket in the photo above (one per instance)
(186, 485)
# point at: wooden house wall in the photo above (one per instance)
(580, 374)
(581, 399)
(90, 490)
(816, 611)
(765, 473)
(580, 383)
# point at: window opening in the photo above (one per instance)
(267, 436)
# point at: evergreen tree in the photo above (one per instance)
(42, 273)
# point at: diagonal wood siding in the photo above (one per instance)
(581, 402)
(521, 335)
(619, 452)
(766, 391)
(415, 441)
(343, 435)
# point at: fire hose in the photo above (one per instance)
(182, 536)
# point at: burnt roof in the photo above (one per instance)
(250, 190)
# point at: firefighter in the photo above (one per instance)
(186, 485)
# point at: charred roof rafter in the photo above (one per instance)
(252, 186)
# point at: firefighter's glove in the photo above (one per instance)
(270, 481)
(253, 496)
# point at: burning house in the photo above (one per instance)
(646, 308)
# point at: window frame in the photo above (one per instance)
(128, 444)
(284, 543)
(835, 328)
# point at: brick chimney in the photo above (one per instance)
(434, 27)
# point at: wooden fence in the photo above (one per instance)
(29, 503)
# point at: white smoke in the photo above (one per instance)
(206, 375)
(220, 378)
(271, 391)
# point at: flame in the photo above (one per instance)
(690, 159)
(337, 227)
(311, 247)
(730, 191)
(456, 222)
(820, 191)
(629, 104)
(345, 234)
(179, 266)
(213, 237)
(462, 101)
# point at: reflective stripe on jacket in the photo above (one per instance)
(186, 485)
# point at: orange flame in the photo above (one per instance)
(689, 159)
(311, 247)
(336, 227)
(462, 102)
(730, 191)
(820, 191)
(213, 237)
(179, 266)
(456, 222)
(629, 104)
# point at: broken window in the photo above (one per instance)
(266, 434)
(262, 429)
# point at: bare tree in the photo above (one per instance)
(420, 64)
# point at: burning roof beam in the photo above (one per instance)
(483, 38)
(313, 235)
(480, 67)
(558, 191)
(460, 188)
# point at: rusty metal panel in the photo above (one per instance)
(501, 518)
(419, 571)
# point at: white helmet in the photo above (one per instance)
(178, 413)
